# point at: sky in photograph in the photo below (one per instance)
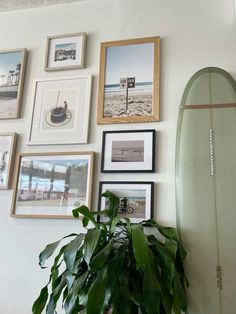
(67, 46)
(129, 61)
(9, 61)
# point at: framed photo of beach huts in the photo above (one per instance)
(61, 111)
(7, 151)
(12, 71)
(50, 185)
(65, 52)
(136, 198)
(128, 151)
(129, 80)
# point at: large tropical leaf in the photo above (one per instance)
(101, 258)
(41, 301)
(114, 203)
(140, 246)
(90, 243)
(97, 293)
(71, 251)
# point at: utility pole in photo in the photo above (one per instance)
(128, 82)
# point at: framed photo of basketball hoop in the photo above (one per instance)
(136, 198)
(50, 185)
(12, 72)
(65, 52)
(60, 112)
(129, 81)
(7, 151)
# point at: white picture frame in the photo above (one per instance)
(60, 113)
(139, 198)
(65, 52)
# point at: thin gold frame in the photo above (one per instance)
(156, 82)
(47, 68)
(17, 172)
(21, 80)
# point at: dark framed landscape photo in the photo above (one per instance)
(128, 151)
(50, 185)
(136, 198)
(60, 112)
(7, 151)
(12, 73)
(65, 52)
(129, 81)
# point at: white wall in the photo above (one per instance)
(194, 34)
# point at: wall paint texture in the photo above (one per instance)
(194, 34)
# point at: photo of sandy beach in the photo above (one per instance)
(127, 151)
(10, 73)
(132, 62)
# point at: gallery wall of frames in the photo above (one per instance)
(50, 184)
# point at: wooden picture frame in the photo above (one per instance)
(50, 185)
(129, 81)
(139, 197)
(65, 52)
(128, 151)
(7, 152)
(60, 113)
(12, 75)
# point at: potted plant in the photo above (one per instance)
(115, 265)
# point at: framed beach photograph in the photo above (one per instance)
(50, 185)
(65, 52)
(61, 111)
(136, 198)
(129, 81)
(12, 72)
(128, 151)
(7, 151)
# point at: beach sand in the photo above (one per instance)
(8, 109)
(139, 104)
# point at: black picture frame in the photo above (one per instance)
(145, 187)
(142, 151)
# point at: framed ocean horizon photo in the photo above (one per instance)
(129, 81)
(128, 151)
(12, 71)
(50, 185)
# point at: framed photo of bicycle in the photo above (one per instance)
(60, 112)
(7, 151)
(128, 151)
(136, 198)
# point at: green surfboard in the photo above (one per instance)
(206, 189)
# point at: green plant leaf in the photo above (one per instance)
(90, 243)
(71, 251)
(50, 249)
(97, 293)
(140, 246)
(151, 287)
(114, 203)
(83, 210)
(114, 223)
(41, 301)
(179, 294)
(101, 258)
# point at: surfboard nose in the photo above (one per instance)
(204, 90)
